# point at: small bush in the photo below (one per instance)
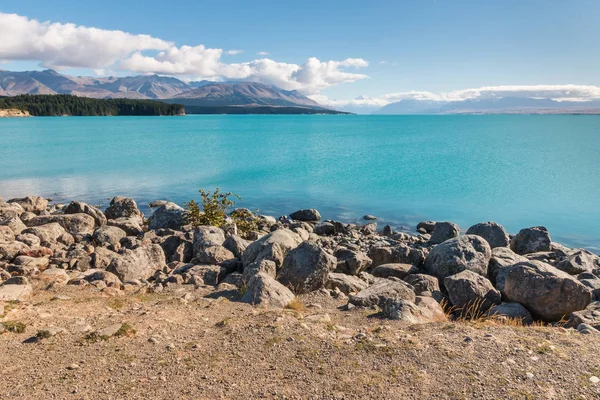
(43, 334)
(245, 221)
(214, 208)
(296, 305)
(14, 326)
(125, 330)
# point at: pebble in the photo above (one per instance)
(73, 366)
(468, 339)
(594, 379)
(529, 375)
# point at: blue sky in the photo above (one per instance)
(426, 45)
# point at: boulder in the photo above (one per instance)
(75, 224)
(140, 263)
(396, 270)
(78, 207)
(592, 282)
(14, 223)
(425, 285)
(54, 276)
(110, 279)
(167, 216)
(266, 267)
(131, 226)
(425, 226)
(212, 255)
(492, 232)
(109, 236)
(207, 236)
(34, 204)
(8, 251)
(207, 274)
(273, 246)
(424, 310)
(29, 239)
(471, 293)
(578, 262)
(262, 290)
(306, 268)
(102, 257)
(345, 283)
(123, 207)
(444, 231)
(401, 253)
(310, 215)
(502, 257)
(6, 234)
(547, 292)
(177, 248)
(382, 290)
(511, 310)
(325, 229)
(467, 252)
(351, 262)
(50, 233)
(236, 245)
(589, 316)
(10, 210)
(531, 240)
(10, 292)
(39, 263)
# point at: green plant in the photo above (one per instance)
(125, 330)
(214, 208)
(14, 326)
(43, 334)
(245, 221)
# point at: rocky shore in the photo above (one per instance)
(10, 113)
(429, 276)
(82, 278)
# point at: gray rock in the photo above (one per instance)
(425, 226)
(494, 233)
(14, 223)
(266, 267)
(207, 274)
(131, 226)
(592, 283)
(547, 292)
(467, 252)
(382, 290)
(167, 216)
(325, 229)
(502, 257)
(425, 284)
(29, 239)
(310, 215)
(109, 236)
(108, 278)
(369, 229)
(444, 231)
(212, 255)
(273, 246)
(10, 210)
(207, 236)
(8, 251)
(102, 257)
(306, 268)
(262, 290)
(236, 245)
(140, 263)
(351, 262)
(54, 276)
(122, 207)
(34, 204)
(50, 233)
(531, 240)
(345, 283)
(425, 309)
(78, 207)
(586, 329)
(75, 224)
(6, 234)
(578, 262)
(590, 316)
(513, 311)
(471, 293)
(369, 217)
(396, 270)
(10, 292)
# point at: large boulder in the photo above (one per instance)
(123, 207)
(511, 311)
(424, 309)
(531, 240)
(15, 292)
(345, 283)
(236, 245)
(207, 236)
(132, 226)
(396, 270)
(34, 204)
(383, 289)
(266, 267)
(467, 252)
(140, 263)
(425, 285)
(212, 255)
(10, 210)
(444, 231)
(502, 257)
(494, 233)
(262, 290)
(351, 262)
(471, 293)
(50, 233)
(78, 207)
(167, 216)
(109, 236)
(273, 246)
(75, 224)
(578, 262)
(545, 291)
(306, 268)
(14, 223)
(102, 257)
(310, 215)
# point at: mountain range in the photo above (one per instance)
(172, 90)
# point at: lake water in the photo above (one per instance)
(520, 170)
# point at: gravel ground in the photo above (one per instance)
(184, 345)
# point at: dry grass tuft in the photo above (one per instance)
(296, 304)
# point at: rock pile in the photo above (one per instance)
(486, 271)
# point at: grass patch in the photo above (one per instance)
(117, 303)
(125, 330)
(43, 334)
(296, 304)
(14, 326)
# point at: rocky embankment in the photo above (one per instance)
(435, 274)
(9, 113)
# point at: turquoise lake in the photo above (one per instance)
(518, 170)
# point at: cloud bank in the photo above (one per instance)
(57, 45)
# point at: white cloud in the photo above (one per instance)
(554, 92)
(262, 53)
(58, 45)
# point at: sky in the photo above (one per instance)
(378, 51)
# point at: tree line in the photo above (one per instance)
(65, 104)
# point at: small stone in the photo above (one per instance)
(529, 375)
(594, 379)
(468, 339)
(73, 367)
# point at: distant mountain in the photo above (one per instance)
(504, 105)
(198, 94)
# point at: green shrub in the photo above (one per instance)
(214, 208)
